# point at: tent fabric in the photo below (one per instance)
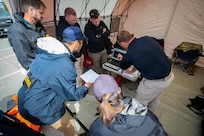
(175, 21)
(187, 25)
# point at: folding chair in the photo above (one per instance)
(187, 54)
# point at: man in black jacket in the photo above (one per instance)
(70, 19)
(97, 32)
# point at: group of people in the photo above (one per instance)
(54, 66)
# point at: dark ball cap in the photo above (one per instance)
(94, 13)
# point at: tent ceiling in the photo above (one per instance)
(82, 7)
(175, 21)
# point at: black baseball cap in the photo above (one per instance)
(94, 13)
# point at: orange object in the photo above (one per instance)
(14, 111)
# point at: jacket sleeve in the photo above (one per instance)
(91, 35)
(66, 86)
(21, 47)
(107, 33)
(59, 30)
(125, 62)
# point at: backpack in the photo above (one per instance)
(11, 126)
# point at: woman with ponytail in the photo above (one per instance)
(121, 116)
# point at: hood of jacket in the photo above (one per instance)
(133, 115)
(52, 45)
(134, 120)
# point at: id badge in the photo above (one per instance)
(27, 81)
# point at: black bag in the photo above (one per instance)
(197, 105)
(10, 126)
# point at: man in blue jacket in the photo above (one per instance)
(52, 79)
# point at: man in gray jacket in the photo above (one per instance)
(23, 34)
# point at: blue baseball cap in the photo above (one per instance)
(73, 33)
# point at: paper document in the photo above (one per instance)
(89, 76)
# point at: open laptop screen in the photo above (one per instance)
(115, 53)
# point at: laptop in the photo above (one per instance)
(114, 62)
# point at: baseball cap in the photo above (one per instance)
(94, 13)
(73, 33)
(105, 84)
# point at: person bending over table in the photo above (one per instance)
(147, 56)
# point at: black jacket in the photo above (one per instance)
(61, 26)
(96, 44)
(59, 31)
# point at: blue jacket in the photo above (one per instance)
(56, 83)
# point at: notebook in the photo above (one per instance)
(114, 61)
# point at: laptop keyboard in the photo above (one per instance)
(107, 64)
(116, 63)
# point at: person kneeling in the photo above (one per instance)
(121, 116)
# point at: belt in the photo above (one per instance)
(165, 78)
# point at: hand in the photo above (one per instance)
(131, 70)
(88, 84)
(120, 56)
(98, 36)
(104, 30)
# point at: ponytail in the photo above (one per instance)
(106, 111)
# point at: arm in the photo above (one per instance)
(89, 32)
(59, 33)
(106, 31)
(130, 70)
(66, 87)
(59, 30)
(125, 61)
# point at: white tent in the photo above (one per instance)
(175, 21)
